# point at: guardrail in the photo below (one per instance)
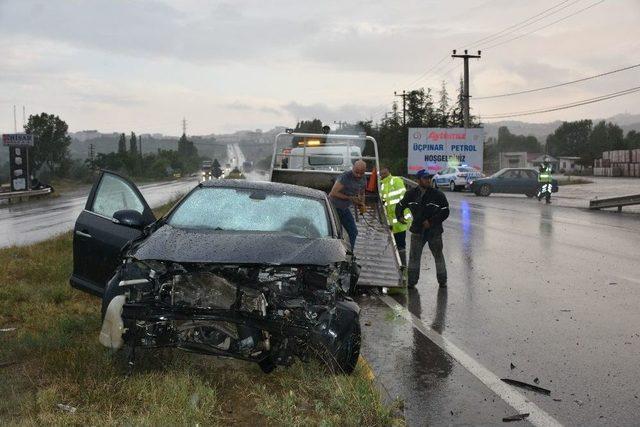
(11, 195)
(615, 202)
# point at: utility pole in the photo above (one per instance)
(466, 96)
(184, 126)
(15, 124)
(24, 117)
(403, 95)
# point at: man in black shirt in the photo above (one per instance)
(429, 208)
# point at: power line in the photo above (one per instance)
(564, 106)
(533, 20)
(428, 71)
(544, 26)
(559, 84)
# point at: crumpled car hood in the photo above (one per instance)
(172, 244)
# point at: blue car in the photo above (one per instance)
(511, 181)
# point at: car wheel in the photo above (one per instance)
(530, 194)
(485, 190)
(267, 365)
(452, 186)
(340, 357)
(346, 358)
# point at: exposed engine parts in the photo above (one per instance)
(267, 314)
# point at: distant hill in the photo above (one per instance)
(540, 130)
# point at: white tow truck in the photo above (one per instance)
(315, 161)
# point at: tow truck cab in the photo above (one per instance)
(318, 155)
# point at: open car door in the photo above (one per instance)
(98, 238)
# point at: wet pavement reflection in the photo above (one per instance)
(536, 293)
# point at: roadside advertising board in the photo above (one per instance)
(19, 144)
(19, 168)
(17, 139)
(438, 148)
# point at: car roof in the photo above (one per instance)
(277, 187)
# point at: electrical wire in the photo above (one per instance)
(544, 26)
(429, 71)
(557, 85)
(564, 106)
(528, 24)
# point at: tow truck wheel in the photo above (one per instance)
(452, 186)
(485, 190)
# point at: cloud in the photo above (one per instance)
(251, 108)
(156, 29)
(345, 112)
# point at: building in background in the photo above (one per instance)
(522, 159)
(569, 164)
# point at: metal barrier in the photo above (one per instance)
(615, 202)
(20, 194)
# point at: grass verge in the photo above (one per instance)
(53, 358)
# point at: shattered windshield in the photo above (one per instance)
(240, 209)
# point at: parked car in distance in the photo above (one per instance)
(258, 271)
(455, 177)
(511, 181)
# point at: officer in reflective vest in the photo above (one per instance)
(545, 181)
(391, 191)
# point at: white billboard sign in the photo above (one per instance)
(438, 148)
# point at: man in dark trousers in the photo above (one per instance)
(429, 208)
(348, 190)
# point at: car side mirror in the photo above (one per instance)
(128, 217)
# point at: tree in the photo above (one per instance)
(122, 144)
(133, 144)
(309, 126)
(510, 142)
(186, 149)
(571, 139)
(51, 142)
(443, 106)
(632, 140)
(603, 137)
(457, 112)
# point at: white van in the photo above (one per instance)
(324, 157)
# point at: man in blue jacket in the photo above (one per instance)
(429, 208)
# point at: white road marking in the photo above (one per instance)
(537, 417)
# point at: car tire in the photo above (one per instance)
(485, 190)
(110, 292)
(452, 186)
(530, 194)
(342, 357)
(267, 365)
(346, 358)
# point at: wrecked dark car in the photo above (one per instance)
(257, 271)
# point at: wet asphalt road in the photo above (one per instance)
(552, 290)
(26, 223)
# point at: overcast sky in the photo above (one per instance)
(143, 65)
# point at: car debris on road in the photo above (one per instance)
(526, 385)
